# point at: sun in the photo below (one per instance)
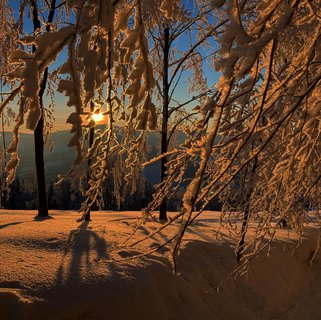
(97, 117)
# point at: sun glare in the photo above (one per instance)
(97, 117)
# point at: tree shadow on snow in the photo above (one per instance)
(84, 251)
(9, 224)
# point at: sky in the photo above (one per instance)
(62, 111)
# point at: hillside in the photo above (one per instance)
(58, 269)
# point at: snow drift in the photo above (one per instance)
(55, 269)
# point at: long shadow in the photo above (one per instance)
(123, 219)
(146, 232)
(9, 224)
(204, 237)
(81, 242)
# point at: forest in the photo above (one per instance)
(230, 88)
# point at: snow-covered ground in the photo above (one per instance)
(60, 269)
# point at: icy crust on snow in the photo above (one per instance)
(56, 269)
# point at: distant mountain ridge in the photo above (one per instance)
(61, 158)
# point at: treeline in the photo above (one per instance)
(66, 195)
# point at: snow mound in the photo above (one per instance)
(56, 269)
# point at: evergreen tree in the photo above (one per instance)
(52, 203)
(17, 195)
(63, 195)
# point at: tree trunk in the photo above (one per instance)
(40, 166)
(90, 143)
(4, 187)
(38, 133)
(164, 145)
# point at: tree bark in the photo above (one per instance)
(164, 144)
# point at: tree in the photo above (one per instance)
(123, 40)
(34, 102)
(39, 129)
(263, 99)
(8, 43)
(16, 199)
(90, 75)
(90, 144)
(63, 195)
(262, 127)
(52, 201)
(173, 26)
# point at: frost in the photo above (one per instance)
(209, 105)
(11, 168)
(167, 8)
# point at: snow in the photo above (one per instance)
(58, 269)
(167, 8)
